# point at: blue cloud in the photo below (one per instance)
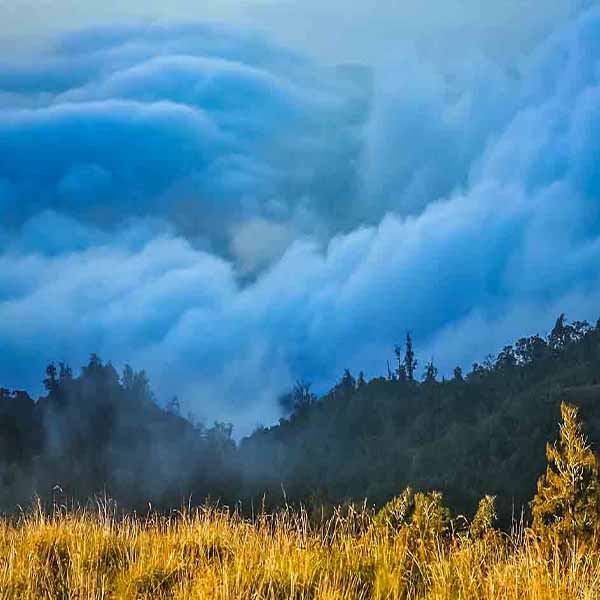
(202, 121)
(175, 213)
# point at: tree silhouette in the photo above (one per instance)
(431, 372)
(302, 395)
(173, 406)
(400, 368)
(361, 382)
(410, 363)
(458, 374)
(51, 380)
(347, 385)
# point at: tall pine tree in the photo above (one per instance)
(567, 503)
(410, 363)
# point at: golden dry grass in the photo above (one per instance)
(214, 553)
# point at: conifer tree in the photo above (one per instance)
(410, 364)
(567, 503)
(361, 382)
(400, 369)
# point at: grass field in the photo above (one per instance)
(214, 553)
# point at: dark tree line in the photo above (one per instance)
(103, 433)
(481, 432)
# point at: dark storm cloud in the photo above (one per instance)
(200, 125)
(462, 202)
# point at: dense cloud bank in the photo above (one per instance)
(231, 216)
(205, 128)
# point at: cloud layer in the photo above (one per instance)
(231, 216)
(200, 126)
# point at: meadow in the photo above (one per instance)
(212, 553)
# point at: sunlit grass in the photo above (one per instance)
(215, 553)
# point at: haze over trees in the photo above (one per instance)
(476, 434)
(103, 433)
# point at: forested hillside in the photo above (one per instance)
(483, 432)
(476, 433)
(101, 433)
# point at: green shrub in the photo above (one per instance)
(430, 518)
(484, 519)
(396, 513)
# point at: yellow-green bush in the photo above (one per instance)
(484, 519)
(566, 507)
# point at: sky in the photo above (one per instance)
(238, 196)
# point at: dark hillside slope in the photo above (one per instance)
(468, 436)
(481, 433)
(99, 433)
